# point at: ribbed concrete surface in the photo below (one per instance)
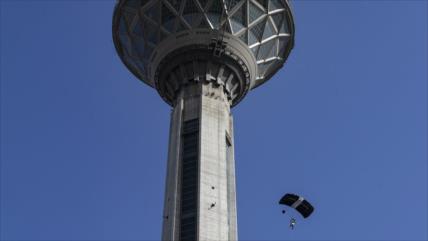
(216, 214)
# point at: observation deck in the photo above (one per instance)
(236, 44)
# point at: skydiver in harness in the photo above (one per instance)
(292, 223)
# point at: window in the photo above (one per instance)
(229, 160)
(189, 180)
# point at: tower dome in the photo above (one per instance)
(167, 43)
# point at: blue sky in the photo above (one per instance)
(344, 123)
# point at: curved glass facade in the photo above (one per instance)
(265, 26)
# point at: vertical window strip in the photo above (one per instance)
(189, 180)
(228, 181)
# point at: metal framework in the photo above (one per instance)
(142, 27)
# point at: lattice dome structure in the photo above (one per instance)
(258, 36)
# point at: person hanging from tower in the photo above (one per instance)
(212, 205)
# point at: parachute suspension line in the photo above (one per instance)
(293, 221)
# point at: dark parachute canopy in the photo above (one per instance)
(298, 203)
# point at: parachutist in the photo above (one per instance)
(292, 223)
(212, 205)
(283, 211)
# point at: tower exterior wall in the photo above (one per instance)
(216, 196)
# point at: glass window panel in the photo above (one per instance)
(189, 180)
(204, 23)
(264, 3)
(124, 40)
(175, 4)
(191, 126)
(216, 7)
(277, 19)
(284, 27)
(188, 193)
(190, 199)
(190, 7)
(187, 234)
(138, 30)
(123, 28)
(255, 50)
(252, 38)
(239, 19)
(189, 187)
(181, 27)
(129, 17)
(169, 25)
(148, 51)
(263, 67)
(255, 12)
(226, 27)
(189, 154)
(273, 51)
(269, 30)
(189, 135)
(141, 67)
(244, 37)
(152, 33)
(154, 12)
(139, 45)
(163, 35)
(127, 45)
(203, 3)
(275, 4)
(265, 49)
(189, 196)
(214, 13)
(133, 3)
(167, 14)
(214, 20)
(283, 41)
(192, 19)
(230, 4)
(187, 220)
(257, 30)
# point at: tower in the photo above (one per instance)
(203, 57)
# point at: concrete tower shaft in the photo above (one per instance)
(200, 201)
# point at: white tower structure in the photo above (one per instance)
(203, 57)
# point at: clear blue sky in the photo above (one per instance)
(84, 144)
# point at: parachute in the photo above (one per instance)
(297, 202)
